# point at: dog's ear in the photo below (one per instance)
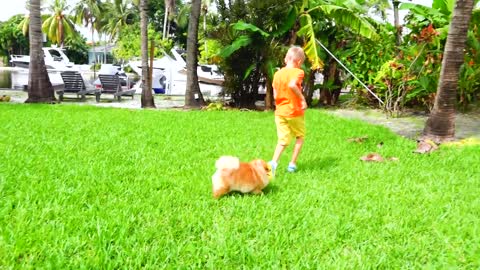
(261, 164)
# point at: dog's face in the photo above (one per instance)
(261, 164)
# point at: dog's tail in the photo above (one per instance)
(227, 163)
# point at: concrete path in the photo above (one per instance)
(410, 126)
(161, 102)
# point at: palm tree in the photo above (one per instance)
(193, 96)
(58, 25)
(118, 15)
(147, 97)
(440, 126)
(40, 89)
(87, 12)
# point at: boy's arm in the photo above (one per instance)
(293, 85)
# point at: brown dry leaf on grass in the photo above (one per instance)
(372, 157)
(376, 157)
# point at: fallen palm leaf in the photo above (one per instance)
(465, 142)
(426, 146)
(375, 157)
(358, 139)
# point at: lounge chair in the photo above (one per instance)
(73, 84)
(112, 84)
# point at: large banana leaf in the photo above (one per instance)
(242, 26)
(475, 20)
(310, 47)
(445, 6)
(422, 10)
(347, 18)
(288, 23)
(249, 70)
(240, 42)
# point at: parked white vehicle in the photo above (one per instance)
(170, 76)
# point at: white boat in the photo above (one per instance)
(55, 60)
(170, 76)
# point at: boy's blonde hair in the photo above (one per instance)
(295, 53)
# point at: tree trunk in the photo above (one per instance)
(269, 100)
(440, 126)
(147, 97)
(309, 88)
(165, 19)
(396, 19)
(93, 50)
(60, 33)
(193, 96)
(326, 92)
(40, 89)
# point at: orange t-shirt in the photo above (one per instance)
(288, 104)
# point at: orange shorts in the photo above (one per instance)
(288, 127)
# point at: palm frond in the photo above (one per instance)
(46, 24)
(69, 28)
(52, 31)
(24, 24)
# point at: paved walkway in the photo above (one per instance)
(161, 102)
(410, 126)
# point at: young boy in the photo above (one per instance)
(290, 106)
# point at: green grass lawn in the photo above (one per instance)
(83, 187)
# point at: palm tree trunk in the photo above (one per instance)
(40, 89)
(93, 48)
(104, 59)
(440, 126)
(165, 23)
(396, 19)
(269, 100)
(193, 96)
(205, 32)
(147, 97)
(60, 33)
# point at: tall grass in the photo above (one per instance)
(96, 188)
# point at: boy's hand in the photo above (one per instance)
(304, 105)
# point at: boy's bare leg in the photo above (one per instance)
(296, 150)
(278, 152)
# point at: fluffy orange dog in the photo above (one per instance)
(233, 175)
